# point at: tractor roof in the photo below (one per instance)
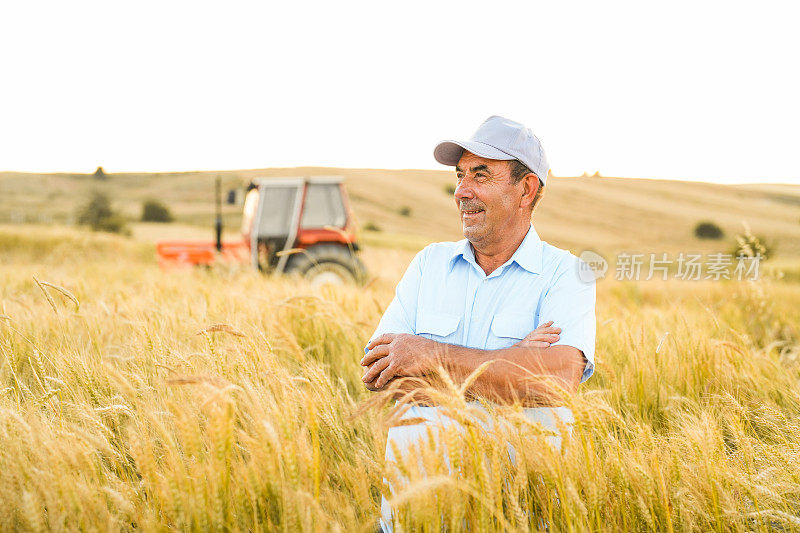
(283, 181)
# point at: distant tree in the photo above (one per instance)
(371, 226)
(155, 211)
(116, 223)
(450, 189)
(98, 215)
(99, 174)
(708, 230)
(404, 211)
(96, 209)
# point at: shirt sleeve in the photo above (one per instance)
(401, 315)
(570, 304)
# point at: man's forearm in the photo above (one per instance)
(534, 376)
(523, 372)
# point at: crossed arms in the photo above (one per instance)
(532, 371)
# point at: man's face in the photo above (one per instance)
(488, 202)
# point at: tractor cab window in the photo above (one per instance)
(277, 211)
(323, 206)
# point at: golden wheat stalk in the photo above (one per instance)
(64, 292)
(46, 295)
(221, 328)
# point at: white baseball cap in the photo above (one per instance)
(498, 138)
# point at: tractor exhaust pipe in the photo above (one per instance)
(218, 222)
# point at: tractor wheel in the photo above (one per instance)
(327, 263)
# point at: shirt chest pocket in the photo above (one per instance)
(508, 329)
(437, 326)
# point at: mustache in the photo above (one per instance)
(470, 205)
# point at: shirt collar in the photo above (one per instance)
(528, 255)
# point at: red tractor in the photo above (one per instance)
(289, 226)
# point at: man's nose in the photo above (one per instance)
(463, 191)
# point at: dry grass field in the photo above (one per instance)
(136, 399)
(125, 405)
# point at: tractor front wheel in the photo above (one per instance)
(327, 263)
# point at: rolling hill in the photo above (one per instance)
(600, 213)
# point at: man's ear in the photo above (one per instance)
(530, 186)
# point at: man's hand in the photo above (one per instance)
(397, 354)
(541, 337)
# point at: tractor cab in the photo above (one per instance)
(296, 225)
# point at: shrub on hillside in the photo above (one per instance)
(155, 211)
(116, 223)
(98, 215)
(371, 226)
(450, 189)
(708, 230)
(404, 211)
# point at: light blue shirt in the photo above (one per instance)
(445, 296)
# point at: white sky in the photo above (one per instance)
(693, 90)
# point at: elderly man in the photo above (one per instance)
(501, 295)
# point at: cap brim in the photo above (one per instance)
(449, 152)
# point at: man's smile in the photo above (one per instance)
(469, 215)
(469, 209)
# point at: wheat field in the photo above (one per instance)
(136, 399)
